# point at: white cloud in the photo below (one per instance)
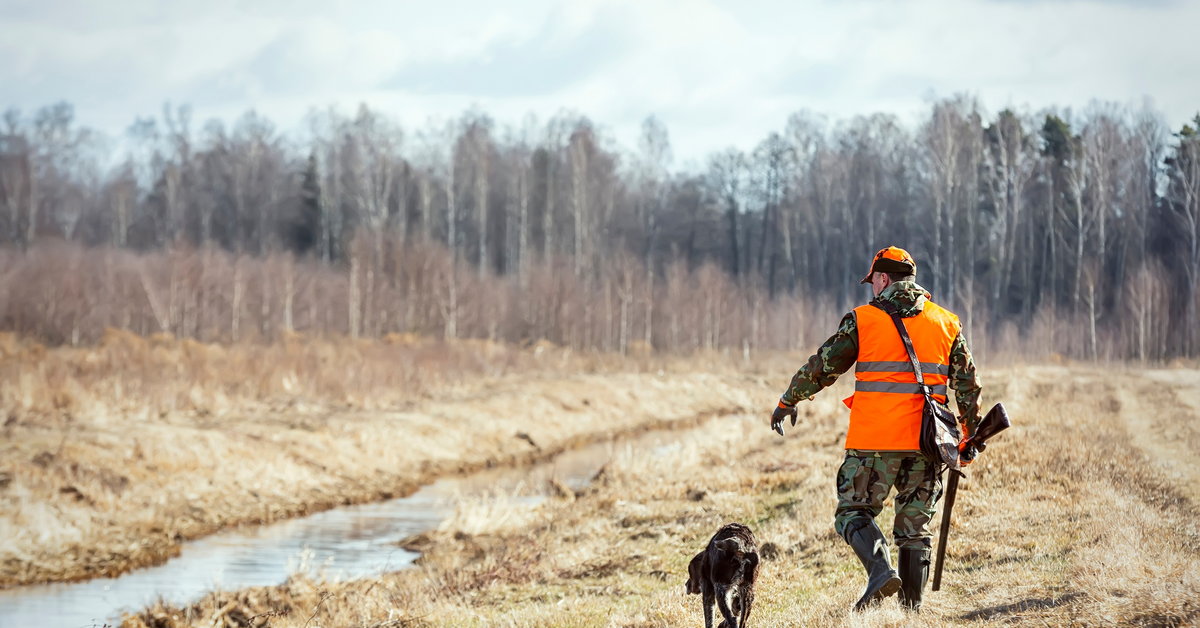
(717, 72)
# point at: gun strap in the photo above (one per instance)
(908, 345)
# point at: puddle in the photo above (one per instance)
(342, 543)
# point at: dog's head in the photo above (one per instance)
(737, 558)
(731, 547)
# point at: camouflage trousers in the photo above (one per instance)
(866, 478)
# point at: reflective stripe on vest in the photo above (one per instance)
(886, 408)
(905, 366)
(899, 387)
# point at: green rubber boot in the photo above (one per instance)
(871, 548)
(914, 571)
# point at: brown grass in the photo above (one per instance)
(1083, 514)
(112, 455)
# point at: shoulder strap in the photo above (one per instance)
(908, 345)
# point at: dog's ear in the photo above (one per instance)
(695, 573)
(751, 566)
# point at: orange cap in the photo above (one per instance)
(893, 259)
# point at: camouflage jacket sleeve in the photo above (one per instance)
(965, 383)
(831, 360)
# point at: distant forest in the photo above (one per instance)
(1071, 232)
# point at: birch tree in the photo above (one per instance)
(1009, 163)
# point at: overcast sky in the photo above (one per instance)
(717, 73)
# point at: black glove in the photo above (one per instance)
(967, 452)
(782, 411)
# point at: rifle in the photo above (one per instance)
(994, 422)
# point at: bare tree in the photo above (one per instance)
(655, 160)
(17, 185)
(479, 142)
(952, 145)
(1009, 163)
(771, 161)
(520, 178)
(579, 148)
(727, 174)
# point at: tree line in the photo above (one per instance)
(1077, 232)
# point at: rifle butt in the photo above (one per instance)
(944, 532)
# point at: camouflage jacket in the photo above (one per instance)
(841, 350)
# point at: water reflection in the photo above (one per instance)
(344, 543)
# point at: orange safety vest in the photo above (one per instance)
(886, 407)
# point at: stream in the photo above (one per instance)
(339, 544)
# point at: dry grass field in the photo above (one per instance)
(1084, 513)
(112, 455)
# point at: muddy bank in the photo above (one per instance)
(97, 562)
(347, 542)
(105, 498)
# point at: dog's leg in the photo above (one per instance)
(747, 586)
(723, 604)
(747, 596)
(709, 598)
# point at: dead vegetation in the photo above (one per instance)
(112, 455)
(1067, 520)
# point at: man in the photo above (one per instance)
(883, 441)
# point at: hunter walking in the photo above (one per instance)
(883, 440)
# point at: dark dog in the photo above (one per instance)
(724, 573)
